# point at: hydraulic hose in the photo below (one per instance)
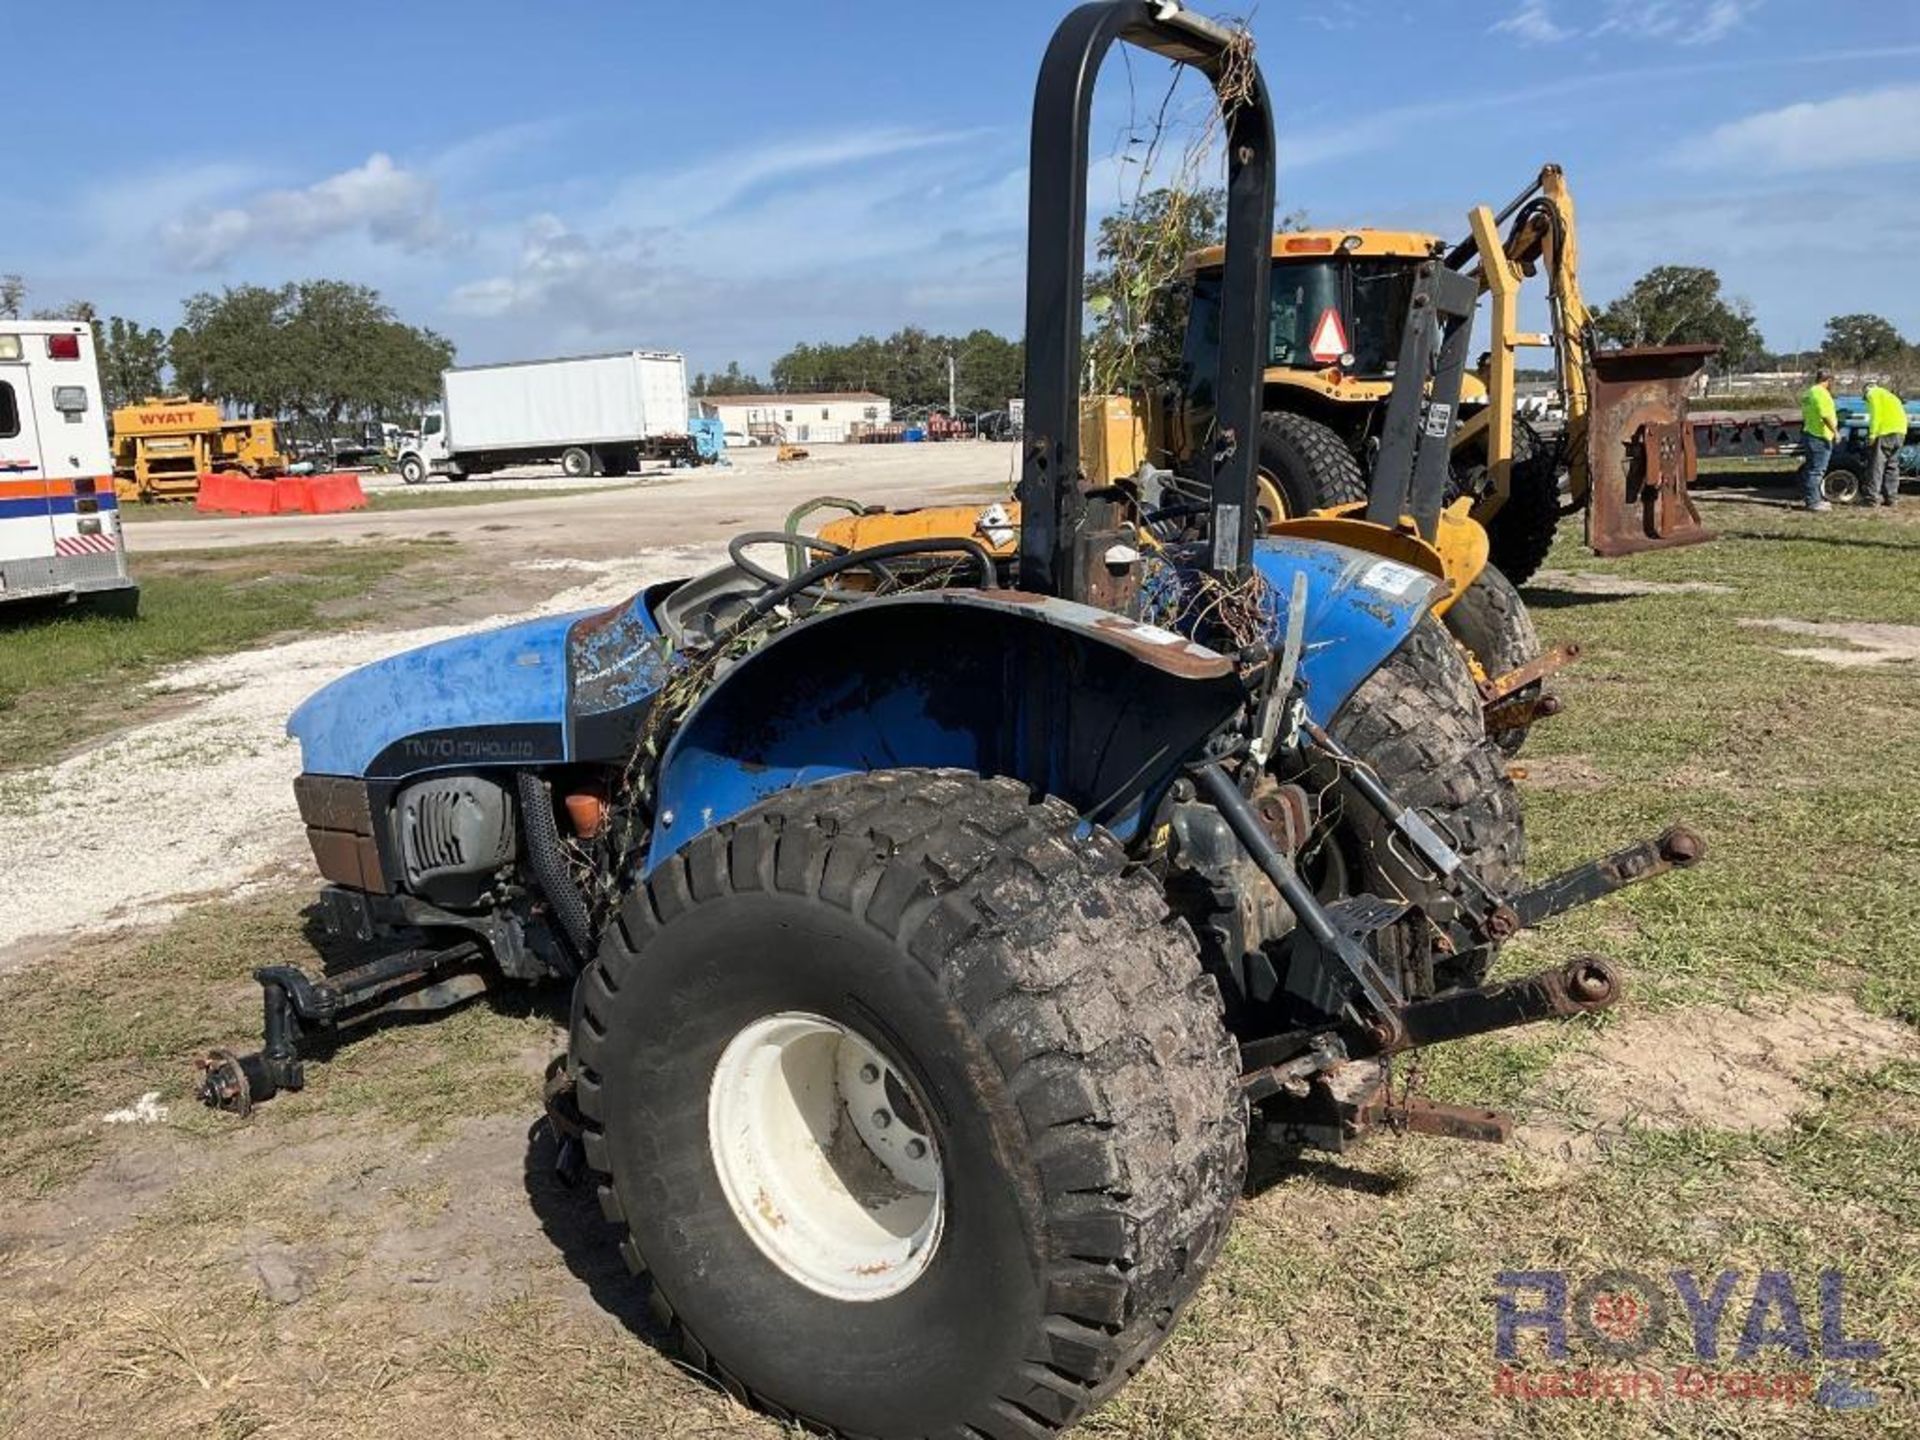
(548, 861)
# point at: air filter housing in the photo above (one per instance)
(455, 833)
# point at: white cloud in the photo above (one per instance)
(565, 276)
(389, 203)
(820, 230)
(1683, 22)
(1532, 25)
(1871, 127)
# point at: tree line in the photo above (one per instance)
(1684, 305)
(909, 367)
(318, 352)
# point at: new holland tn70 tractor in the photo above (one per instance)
(941, 920)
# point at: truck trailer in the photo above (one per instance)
(593, 414)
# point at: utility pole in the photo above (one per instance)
(952, 410)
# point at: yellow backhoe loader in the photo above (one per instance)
(1338, 303)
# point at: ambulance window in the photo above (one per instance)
(9, 412)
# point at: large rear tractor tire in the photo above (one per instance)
(1491, 620)
(1521, 533)
(913, 1104)
(1416, 721)
(1308, 464)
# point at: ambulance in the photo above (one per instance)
(60, 533)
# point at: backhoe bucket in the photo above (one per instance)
(1640, 449)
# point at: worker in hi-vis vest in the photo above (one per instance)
(1819, 428)
(1886, 434)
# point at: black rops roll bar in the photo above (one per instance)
(1052, 504)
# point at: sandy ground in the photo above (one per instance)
(680, 506)
(1864, 644)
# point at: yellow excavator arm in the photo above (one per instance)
(1544, 235)
(1629, 448)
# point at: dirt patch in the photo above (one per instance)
(1580, 582)
(1708, 1065)
(1870, 644)
(1560, 772)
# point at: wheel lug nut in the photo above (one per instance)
(916, 1149)
(869, 1073)
(882, 1119)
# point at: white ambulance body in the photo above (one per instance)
(59, 519)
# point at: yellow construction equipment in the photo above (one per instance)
(162, 446)
(1336, 314)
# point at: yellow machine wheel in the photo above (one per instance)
(1271, 501)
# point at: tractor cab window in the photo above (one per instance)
(1381, 290)
(431, 425)
(1303, 291)
(1369, 297)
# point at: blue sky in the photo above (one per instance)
(730, 179)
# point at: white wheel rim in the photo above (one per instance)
(825, 1156)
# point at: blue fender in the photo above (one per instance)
(940, 680)
(1360, 608)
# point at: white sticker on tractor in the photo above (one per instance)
(1390, 577)
(1154, 635)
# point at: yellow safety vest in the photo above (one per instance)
(1817, 415)
(1885, 414)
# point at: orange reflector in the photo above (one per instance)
(587, 811)
(1307, 245)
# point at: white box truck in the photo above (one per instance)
(594, 414)
(60, 537)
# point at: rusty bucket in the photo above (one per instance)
(1640, 449)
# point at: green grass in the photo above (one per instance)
(127, 1016)
(439, 497)
(420, 497)
(68, 674)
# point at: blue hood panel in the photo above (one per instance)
(506, 688)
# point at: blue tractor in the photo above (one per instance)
(941, 917)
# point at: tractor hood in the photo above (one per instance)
(498, 697)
